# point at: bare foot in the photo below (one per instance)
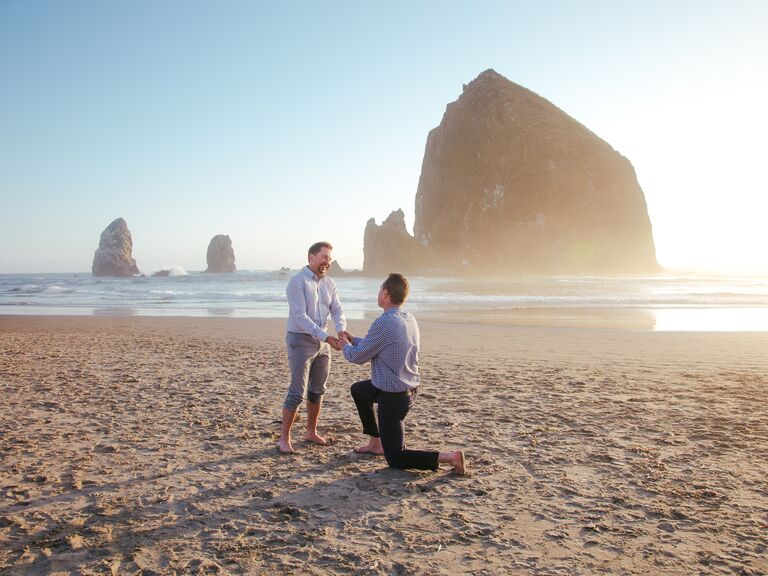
(373, 447)
(285, 447)
(459, 466)
(316, 438)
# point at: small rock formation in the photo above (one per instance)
(161, 274)
(336, 270)
(510, 183)
(113, 256)
(389, 248)
(220, 256)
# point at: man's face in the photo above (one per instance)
(320, 263)
(382, 295)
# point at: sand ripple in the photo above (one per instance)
(149, 449)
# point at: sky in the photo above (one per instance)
(283, 123)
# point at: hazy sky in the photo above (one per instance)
(283, 123)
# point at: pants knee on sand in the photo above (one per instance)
(395, 459)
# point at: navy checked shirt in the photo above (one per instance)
(392, 346)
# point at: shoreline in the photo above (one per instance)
(669, 319)
(456, 336)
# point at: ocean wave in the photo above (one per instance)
(58, 290)
(169, 271)
(26, 289)
(263, 293)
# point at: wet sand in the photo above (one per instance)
(147, 446)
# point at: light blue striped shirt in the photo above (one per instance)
(310, 302)
(392, 346)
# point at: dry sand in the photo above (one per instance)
(147, 446)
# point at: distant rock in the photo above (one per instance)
(114, 257)
(336, 270)
(161, 274)
(510, 183)
(220, 256)
(389, 248)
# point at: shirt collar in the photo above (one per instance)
(308, 273)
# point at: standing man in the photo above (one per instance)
(392, 346)
(312, 297)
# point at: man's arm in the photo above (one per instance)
(366, 348)
(297, 310)
(337, 313)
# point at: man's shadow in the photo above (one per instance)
(361, 492)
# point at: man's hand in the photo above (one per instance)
(344, 335)
(334, 342)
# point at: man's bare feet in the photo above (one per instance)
(285, 447)
(316, 438)
(373, 447)
(459, 467)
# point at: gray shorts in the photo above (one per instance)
(310, 362)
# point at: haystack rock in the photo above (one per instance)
(510, 183)
(389, 248)
(220, 256)
(114, 257)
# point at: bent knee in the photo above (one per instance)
(395, 461)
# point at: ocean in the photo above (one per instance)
(672, 301)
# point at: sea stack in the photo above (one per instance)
(220, 256)
(114, 257)
(336, 270)
(510, 183)
(390, 248)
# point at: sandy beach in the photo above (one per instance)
(147, 446)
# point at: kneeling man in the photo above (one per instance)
(392, 346)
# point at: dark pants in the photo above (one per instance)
(393, 407)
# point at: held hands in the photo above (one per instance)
(339, 343)
(335, 343)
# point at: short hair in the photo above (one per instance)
(396, 286)
(317, 246)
